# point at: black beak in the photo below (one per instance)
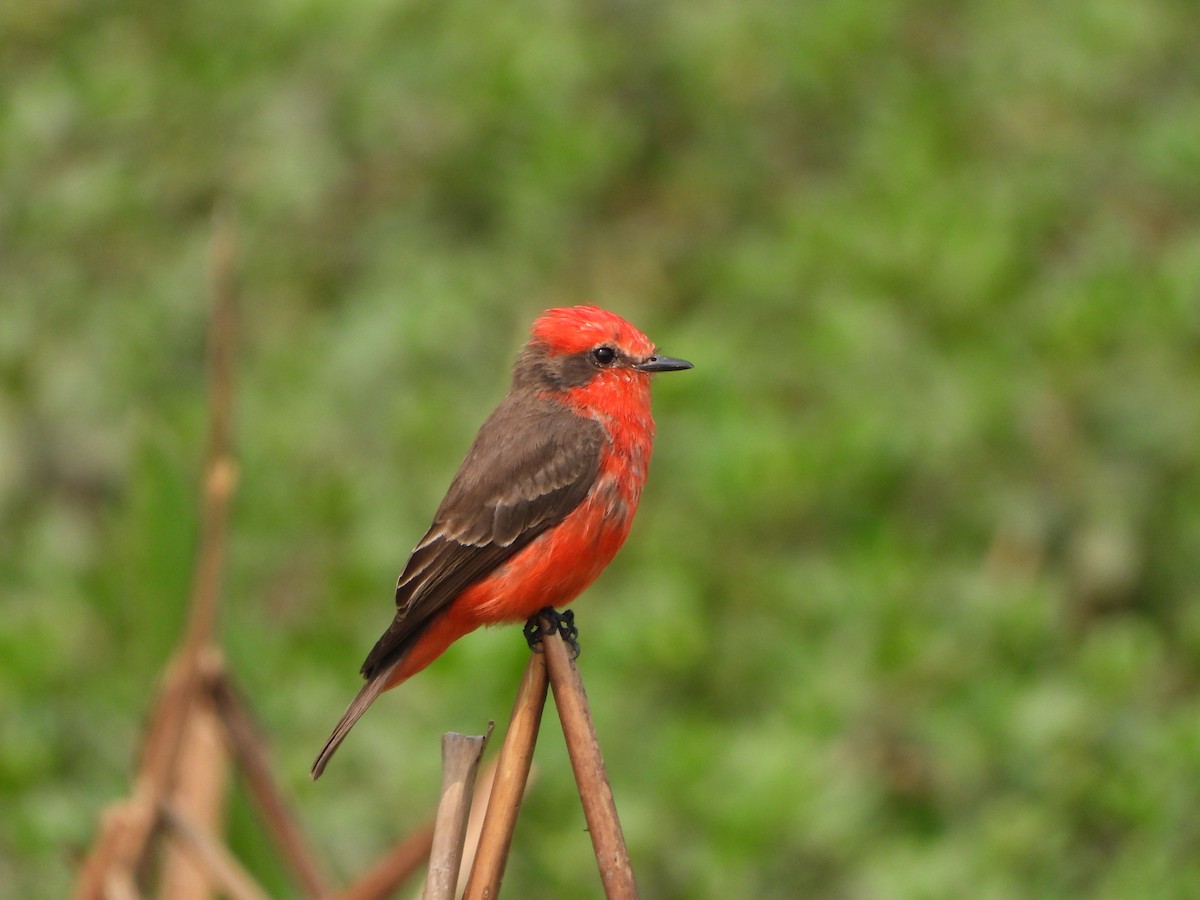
(663, 364)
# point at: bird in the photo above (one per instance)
(540, 505)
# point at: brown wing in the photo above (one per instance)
(532, 463)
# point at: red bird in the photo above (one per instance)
(542, 503)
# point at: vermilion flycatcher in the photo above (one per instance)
(541, 504)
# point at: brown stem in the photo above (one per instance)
(512, 772)
(198, 796)
(212, 857)
(120, 849)
(220, 470)
(250, 750)
(393, 870)
(460, 762)
(599, 808)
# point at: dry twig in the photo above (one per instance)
(508, 785)
(249, 749)
(211, 855)
(460, 762)
(599, 808)
(393, 870)
(120, 852)
(199, 796)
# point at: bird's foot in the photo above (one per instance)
(562, 622)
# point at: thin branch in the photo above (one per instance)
(128, 826)
(460, 762)
(212, 856)
(121, 847)
(249, 748)
(599, 808)
(220, 470)
(120, 886)
(394, 869)
(508, 786)
(199, 795)
(479, 804)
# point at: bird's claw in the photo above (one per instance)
(533, 633)
(562, 622)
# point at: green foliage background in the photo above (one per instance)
(912, 607)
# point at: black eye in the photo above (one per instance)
(604, 355)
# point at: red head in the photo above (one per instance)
(573, 329)
(576, 346)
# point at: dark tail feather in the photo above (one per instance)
(365, 697)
